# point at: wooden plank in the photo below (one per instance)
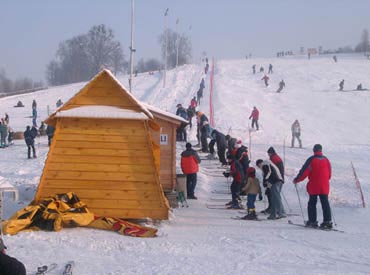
(137, 159)
(157, 214)
(101, 145)
(77, 184)
(101, 123)
(136, 195)
(110, 176)
(101, 138)
(98, 152)
(100, 131)
(87, 167)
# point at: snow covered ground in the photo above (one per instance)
(199, 240)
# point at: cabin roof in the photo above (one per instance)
(164, 114)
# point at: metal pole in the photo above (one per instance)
(165, 49)
(132, 46)
(177, 42)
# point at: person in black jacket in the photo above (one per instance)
(50, 133)
(204, 130)
(9, 265)
(29, 138)
(219, 139)
(272, 179)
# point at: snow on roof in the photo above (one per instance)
(164, 113)
(129, 94)
(102, 112)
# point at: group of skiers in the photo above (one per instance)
(358, 87)
(266, 78)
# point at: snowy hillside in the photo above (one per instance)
(199, 240)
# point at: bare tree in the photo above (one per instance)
(184, 44)
(81, 57)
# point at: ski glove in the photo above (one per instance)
(226, 174)
(260, 197)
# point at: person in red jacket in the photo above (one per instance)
(318, 170)
(255, 116)
(238, 174)
(266, 80)
(190, 166)
(276, 159)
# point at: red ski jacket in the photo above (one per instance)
(189, 162)
(255, 114)
(318, 170)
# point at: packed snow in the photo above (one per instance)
(198, 240)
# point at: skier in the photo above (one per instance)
(341, 85)
(59, 103)
(10, 136)
(241, 153)
(273, 179)
(193, 103)
(190, 112)
(203, 123)
(262, 69)
(9, 265)
(190, 166)
(270, 69)
(255, 116)
(276, 159)
(254, 68)
(252, 189)
(335, 58)
(202, 84)
(50, 133)
(219, 139)
(318, 170)
(181, 130)
(236, 171)
(296, 133)
(6, 118)
(230, 143)
(34, 117)
(29, 138)
(34, 104)
(3, 133)
(281, 86)
(359, 88)
(265, 78)
(206, 68)
(200, 91)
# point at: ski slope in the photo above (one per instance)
(199, 240)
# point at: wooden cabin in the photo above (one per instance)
(103, 150)
(166, 137)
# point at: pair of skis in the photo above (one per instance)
(315, 228)
(45, 269)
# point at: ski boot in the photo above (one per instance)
(311, 224)
(326, 225)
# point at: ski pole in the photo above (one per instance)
(286, 202)
(299, 200)
(333, 216)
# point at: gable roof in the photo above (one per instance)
(103, 90)
(165, 115)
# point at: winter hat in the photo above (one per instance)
(251, 172)
(271, 150)
(188, 145)
(259, 161)
(178, 105)
(317, 148)
(238, 143)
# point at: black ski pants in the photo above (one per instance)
(312, 215)
(255, 122)
(31, 146)
(235, 191)
(191, 182)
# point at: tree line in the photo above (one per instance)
(8, 85)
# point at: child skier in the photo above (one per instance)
(252, 189)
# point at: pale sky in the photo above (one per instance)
(31, 30)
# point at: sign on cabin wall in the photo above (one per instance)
(163, 139)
